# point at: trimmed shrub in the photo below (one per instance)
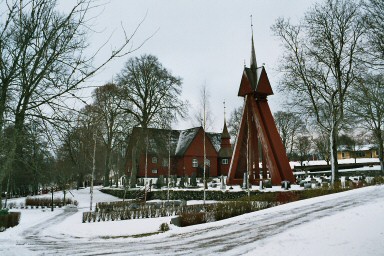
(47, 201)
(164, 227)
(286, 197)
(194, 218)
(8, 220)
(183, 194)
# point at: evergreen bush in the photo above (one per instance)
(164, 227)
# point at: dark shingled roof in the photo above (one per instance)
(180, 139)
(185, 139)
(225, 152)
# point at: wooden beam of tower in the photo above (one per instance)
(236, 177)
(272, 146)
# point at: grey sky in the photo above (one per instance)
(202, 41)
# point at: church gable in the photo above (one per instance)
(245, 85)
(263, 85)
(195, 148)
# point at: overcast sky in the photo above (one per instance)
(201, 41)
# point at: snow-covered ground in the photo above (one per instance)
(348, 223)
(340, 161)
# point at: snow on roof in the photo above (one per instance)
(185, 140)
(356, 148)
(179, 140)
(215, 139)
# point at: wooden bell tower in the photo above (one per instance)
(258, 151)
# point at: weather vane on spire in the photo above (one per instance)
(224, 109)
(251, 24)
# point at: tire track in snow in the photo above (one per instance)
(208, 240)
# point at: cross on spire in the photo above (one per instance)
(253, 63)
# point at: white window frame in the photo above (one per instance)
(154, 171)
(195, 162)
(224, 161)
(154, 160)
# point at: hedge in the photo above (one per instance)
(182, 194)
(45, 201)
(8, 220)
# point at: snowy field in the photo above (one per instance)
(348, 223)
(340, 161)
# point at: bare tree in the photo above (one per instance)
(289, 126)
(303, 147)
(43, 62)
(367, 104)
(234, 122)
(203, 109)
(321, 144)
(151, 94)
(321, 63)
(112, 119)
(374, 24)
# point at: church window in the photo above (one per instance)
(195, 163)
(224, 161)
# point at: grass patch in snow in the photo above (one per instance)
(132, 236)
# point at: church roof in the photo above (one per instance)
(180, 140)
(225, 133)
(225, 152)
(185, 139)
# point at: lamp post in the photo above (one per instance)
(52, 197)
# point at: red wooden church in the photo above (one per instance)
(153, 150)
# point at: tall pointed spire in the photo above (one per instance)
(225, 133)
(253, 63)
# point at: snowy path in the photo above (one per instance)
(33, 235)
(236, 236)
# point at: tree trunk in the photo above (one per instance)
(1, 198)
(107, 168)
(381, 153)
(334, 164)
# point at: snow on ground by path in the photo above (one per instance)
(357, 231)
(348, 223)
